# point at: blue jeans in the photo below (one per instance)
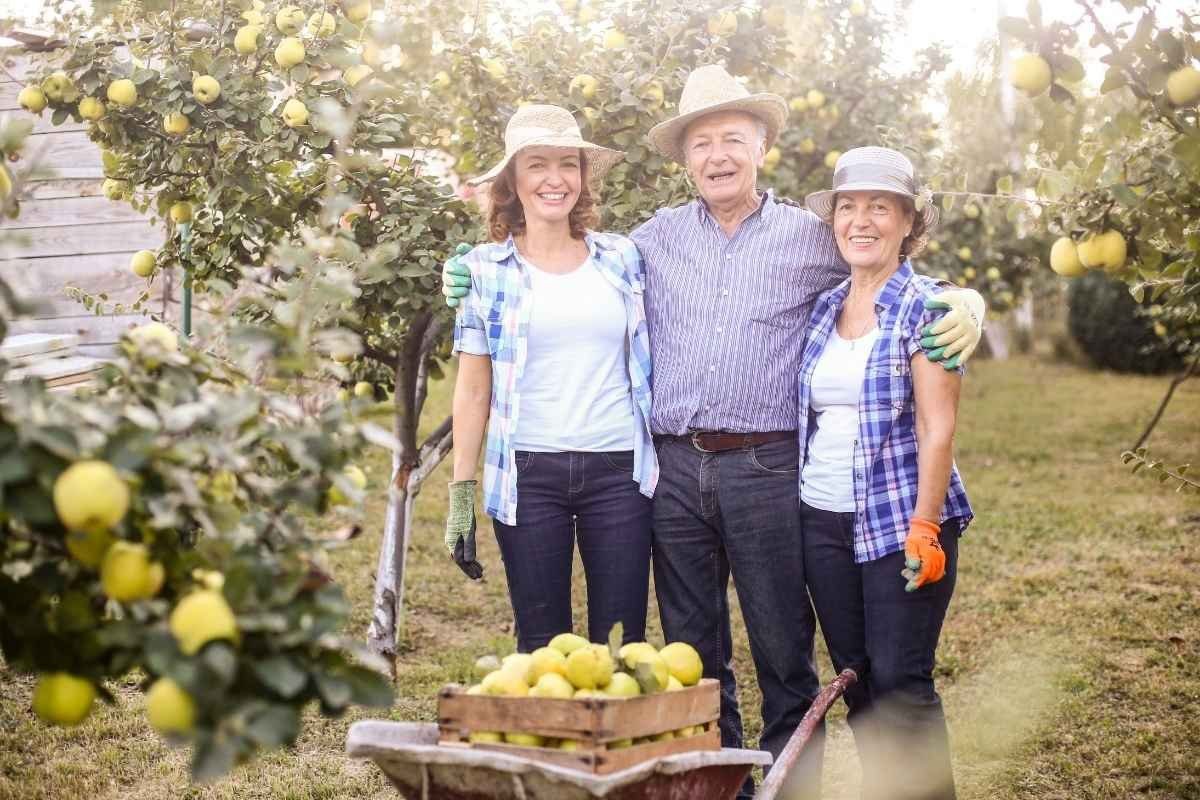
(737, 512)
(562, 497)
(889, 636)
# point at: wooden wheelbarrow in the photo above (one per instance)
(421, 769)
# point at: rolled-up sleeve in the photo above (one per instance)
(470, 333)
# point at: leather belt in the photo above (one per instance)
(718, 441)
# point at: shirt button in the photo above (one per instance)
(712, 367)
(729, 257)
(719, 329)
(724, 292)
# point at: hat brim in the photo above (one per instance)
(821, 203)
(599, 159)
(666, 137)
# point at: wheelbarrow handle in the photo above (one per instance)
(816, 713)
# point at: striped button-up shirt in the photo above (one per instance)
(885, 452)
(727, 313)
(493, 320)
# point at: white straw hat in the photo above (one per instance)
(711, 89)
(551, 126)
(865, 169)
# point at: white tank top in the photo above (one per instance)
(827, 480)
(575, 392)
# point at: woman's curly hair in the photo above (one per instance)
(506, 215)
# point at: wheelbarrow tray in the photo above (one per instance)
(409, 754)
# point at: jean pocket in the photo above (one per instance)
(775, 458)
(524, 459)
(621, 460)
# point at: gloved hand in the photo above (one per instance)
(953, 338)
(456, 276)
(460, 528)
(925, 561)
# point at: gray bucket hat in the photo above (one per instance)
(552, 126)
(866, 169)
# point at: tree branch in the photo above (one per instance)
(1162, 407)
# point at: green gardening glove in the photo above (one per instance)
(953, 338)
(460, 528)
(456, 276)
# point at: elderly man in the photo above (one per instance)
(732, 278)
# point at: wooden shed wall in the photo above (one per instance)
(68, 233)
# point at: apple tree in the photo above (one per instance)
(161, 521)
(1121, 162)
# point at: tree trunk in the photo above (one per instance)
(383, 632)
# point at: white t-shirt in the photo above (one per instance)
(575, 392)
(827, 480)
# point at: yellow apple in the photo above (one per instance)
(1183, 86)
(59, 88)
(89, 495)
(798, 104)
(771, 159)
(356, 10)
(815, 98)
(6, 185)
(176, 123)
(206, 89)
(858, 8)
(126, 574)
(169, 708)
(32, 99)
(295, 113)
(653, 94)
(289, 20)
(832, 157)
(91, 108)
(201, 617)
(122, 92)
(1064, 258)
(321, 24)
(971, 211)
(114, 189)
(964, 253)
(808, 146)
(1031, 74)
(495, 68)
(289, 52)
(63, 699)
(584, 84)
(143, 263)
(683, 662)
(614, 40)
(1112, 250)
(993, 273)
(154, 335)
(246, 39)
(969, 273)
(441, 80)
(181, 212)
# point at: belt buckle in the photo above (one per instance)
(695, 437)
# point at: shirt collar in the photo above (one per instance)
(766, 204)
(502, 251)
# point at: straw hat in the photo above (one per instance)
(534, 125)
(866, 169)
(710, 89)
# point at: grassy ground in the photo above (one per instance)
(1070, 661)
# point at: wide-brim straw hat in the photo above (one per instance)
(550, 126)
(874, 169)
(711, 89)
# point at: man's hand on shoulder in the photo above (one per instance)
(456, 276)
(952, 339)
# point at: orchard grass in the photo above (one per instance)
(1069, 664)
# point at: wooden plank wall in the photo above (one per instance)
(69, 234)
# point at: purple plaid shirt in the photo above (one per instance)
(726, 314)
(885, 453)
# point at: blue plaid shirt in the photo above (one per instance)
(885, 453)
(493, 320)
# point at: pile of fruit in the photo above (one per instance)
(570, 667)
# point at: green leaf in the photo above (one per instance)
(273, 725)
(1005, 185)
(369, 688)
(335, 692)
(1113, 79)
(281, 675)
(220, 661)
(1067, 68)
(214, 757)
(615, 637)
(644, 674)
(948, 202)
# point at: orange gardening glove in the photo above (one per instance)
(925, 561)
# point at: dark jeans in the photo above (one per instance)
(872, 625)
(738, 512)
(591, 497)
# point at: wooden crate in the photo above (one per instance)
(596, 723)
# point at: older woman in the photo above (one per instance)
(554, 361)
(882, 503)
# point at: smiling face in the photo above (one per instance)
(548, 181)
(724, 151)
(870, 227)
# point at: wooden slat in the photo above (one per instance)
(43, 280)
(593, 719)
(59, 151)
(92, 330)
(118, 237)
(603, 762)
(58, 188)
(72, 211)
(56, 369)
(36, 345)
